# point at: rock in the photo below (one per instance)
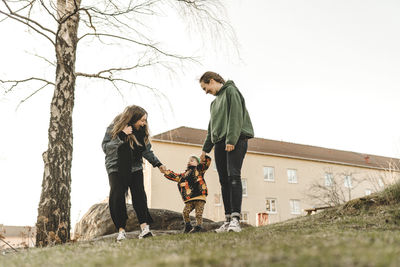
(97, 222)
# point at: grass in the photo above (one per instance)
(283, 245)
(363, 232)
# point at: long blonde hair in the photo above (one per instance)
(130, 116)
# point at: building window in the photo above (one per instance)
(244, 217)
(217, 200)
(244, 187)
(270, 205)
(292, 176)
(269, 174)
(380, 182)
(294, 206)
(347, 181)
(328, 179)
(368, 192)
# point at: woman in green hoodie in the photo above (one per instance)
(228, 131)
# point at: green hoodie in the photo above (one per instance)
(229, 118)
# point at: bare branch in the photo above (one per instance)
(48, 11)
(42, 57)
(114, 21)
(117, 88)
(137, 42)
(111, 79)
(8, 244)
(30, 9)
(90, 19)
(35, 92)
(27, 19)
(17, 82)
(207, 17)
(22, 8)
(143, 8)
(389, 175)
(36, 30)
(114, 82)
(337, 190)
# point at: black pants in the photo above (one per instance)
(229, 166)
(118, 187)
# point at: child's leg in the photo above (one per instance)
(189, 206)
(199, 206)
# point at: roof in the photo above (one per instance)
(192, 136)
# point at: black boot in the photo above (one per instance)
(197, 229)
(188, 227)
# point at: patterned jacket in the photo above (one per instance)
(191, 183)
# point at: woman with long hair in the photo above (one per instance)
(125, 144)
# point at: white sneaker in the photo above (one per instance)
(234, 226)
(145, 232)
(223, 228)
(121, 235)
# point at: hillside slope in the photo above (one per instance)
(363, 232)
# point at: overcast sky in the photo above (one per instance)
(323, 73)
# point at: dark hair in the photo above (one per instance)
(207, 76)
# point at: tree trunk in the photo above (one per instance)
(54, 221)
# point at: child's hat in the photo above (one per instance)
(196, 157)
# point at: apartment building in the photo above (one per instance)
(280, 179)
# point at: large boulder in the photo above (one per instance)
(97, 222)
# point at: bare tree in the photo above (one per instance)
(106, 23)
(389, 175)
(335, 189)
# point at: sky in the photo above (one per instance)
(315, 72)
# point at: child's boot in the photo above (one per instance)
(197, 229)
(188, 227)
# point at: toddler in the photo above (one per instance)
(193, 189)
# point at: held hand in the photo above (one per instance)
(203, 156)
(127, 130)
(162, 169)
(229, 147)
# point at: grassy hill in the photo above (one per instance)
(363, 232)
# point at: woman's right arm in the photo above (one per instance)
(110, 144)
(208, 145)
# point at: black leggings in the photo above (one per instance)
(118, 187)
(229, 166)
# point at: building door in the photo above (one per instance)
(262, 219)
